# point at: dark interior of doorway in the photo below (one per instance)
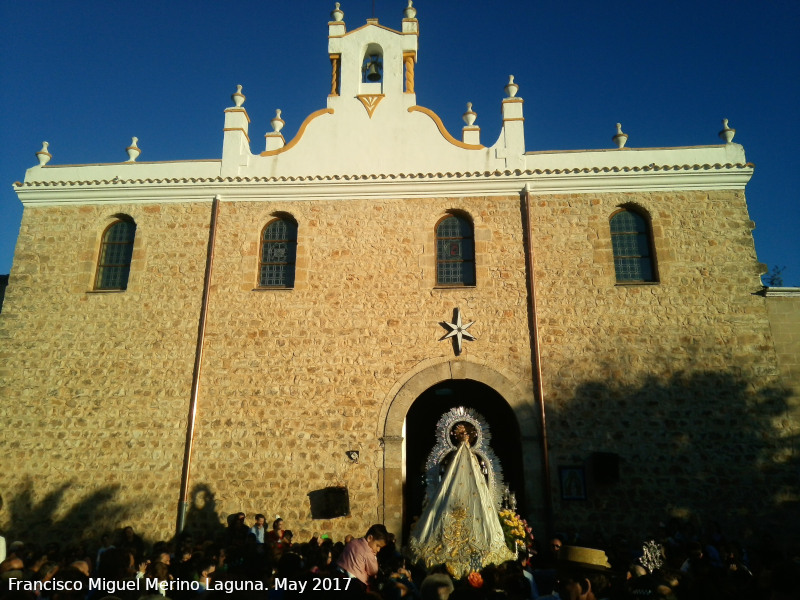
(421, 433)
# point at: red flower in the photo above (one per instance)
(475, 579)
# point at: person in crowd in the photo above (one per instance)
(158, 573)
(105, 544)
(258, 529)
(436, 586)
(132, 542)
(359, 560)
(582, 574)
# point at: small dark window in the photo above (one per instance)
(278, 254)
(455, 252)
(632, 246)
(116, 250)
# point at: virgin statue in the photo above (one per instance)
(459, 525)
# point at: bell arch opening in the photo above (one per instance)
(420, 428)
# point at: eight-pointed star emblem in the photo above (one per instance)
(458, 331)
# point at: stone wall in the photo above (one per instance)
(96, 384)
(679, 379)
(784, 318)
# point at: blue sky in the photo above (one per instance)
(88, 75)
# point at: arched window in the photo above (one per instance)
(455, 251)
(116, 250)
(278, 254)
(632, 245)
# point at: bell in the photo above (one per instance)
(373, 74)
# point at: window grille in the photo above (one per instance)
(455, 252)
(631, 244)
(278, 254)
(116, 250)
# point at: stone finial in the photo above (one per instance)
(469, 116)
(133, 150)
(238, 97)
(511, 87)
(727, 133)
(337, 14)
(277, 123)
(620, 138)
(43, 155)
(410, 12)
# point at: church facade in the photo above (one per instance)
(279, 331)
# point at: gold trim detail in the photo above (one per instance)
(234, 109)
(408, 62)
(370, 101)
(274, 134)
(442, 130)
(335, 76)
(235, 129)
(300, 132)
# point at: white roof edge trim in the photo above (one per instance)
(495, 185)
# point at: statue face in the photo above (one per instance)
(463, 432)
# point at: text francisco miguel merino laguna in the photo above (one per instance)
(111, 586)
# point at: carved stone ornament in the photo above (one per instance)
(43, 155)
(238, 97)
(458, 331)
(370, 101)
(727, 133)
(620, 138)
(133, 150)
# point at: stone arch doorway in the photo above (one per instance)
(499, 398)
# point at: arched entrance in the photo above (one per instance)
(424, 395)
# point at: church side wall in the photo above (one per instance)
(95, 386)
(676, 380)
(784, 318)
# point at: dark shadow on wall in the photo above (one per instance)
(704, 446)
(43, 520)
(96, 513)
(202, 519)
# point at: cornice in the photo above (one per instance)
(403, 185)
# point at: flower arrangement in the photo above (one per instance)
(475, 580)
(516, 530)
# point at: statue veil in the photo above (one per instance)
(459, 525)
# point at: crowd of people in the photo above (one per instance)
(255, 560)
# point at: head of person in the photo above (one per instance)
(582, 573)
(260, 520)
(377, 537)
(277, 524)
(555, 544)
(436, 586)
